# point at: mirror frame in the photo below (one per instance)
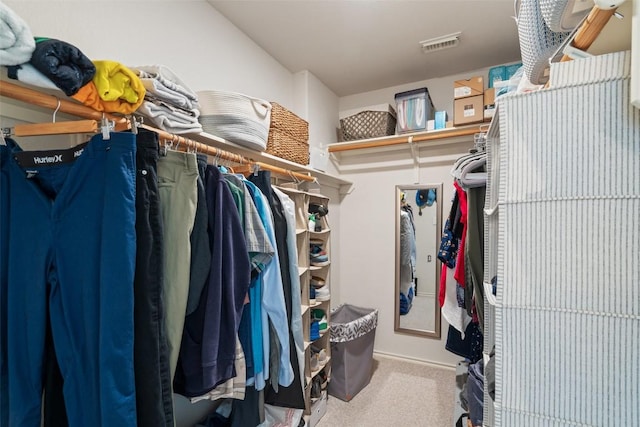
(437, 333)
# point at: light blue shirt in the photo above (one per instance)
(296, 299)
(273, 303)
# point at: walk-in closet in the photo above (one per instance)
(219, 213)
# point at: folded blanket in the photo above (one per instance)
(16, 41)
(28, 74)
(161, 81)
(64, 64)
(114, 82)
(90, 96)
(171, 119)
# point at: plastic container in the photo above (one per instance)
(353, 331)
(414, 108)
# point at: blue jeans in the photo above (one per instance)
(69, 242)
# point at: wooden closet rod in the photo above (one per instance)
(590, 29)
(30, 96)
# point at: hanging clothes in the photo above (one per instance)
(200, 250)
(290, 395)
(177, 176)
(209, 341)
(46, 205)
(151, 352)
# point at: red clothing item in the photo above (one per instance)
(443, 285)
(459, 274)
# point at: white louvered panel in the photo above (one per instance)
(568, 310)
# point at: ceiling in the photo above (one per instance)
(356, 46)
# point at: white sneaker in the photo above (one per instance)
(323, 294)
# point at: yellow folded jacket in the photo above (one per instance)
(90, 96)
(115, 81)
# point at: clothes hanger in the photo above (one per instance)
(68, 127)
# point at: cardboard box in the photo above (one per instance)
(489, 112)
(489, 97)
(465, 88)
(440, 120)
(468, 110)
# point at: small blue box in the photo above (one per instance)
(440, 120)
(497, 74)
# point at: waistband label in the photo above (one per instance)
(28, 159)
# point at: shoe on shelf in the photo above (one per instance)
(312, 295)
(324, 379)
(323, 294)
(316, 389)
(321, 356)
(314, 332)
(314, 362)
(318, 209)
(319, 316)
(317, 256)
(313, 221)
(317, 282)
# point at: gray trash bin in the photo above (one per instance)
(353, 331)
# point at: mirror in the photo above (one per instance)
(418, 231)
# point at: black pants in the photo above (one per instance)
(291, 396)
(151, 355)
(200, 250)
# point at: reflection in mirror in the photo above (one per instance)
(418, 231)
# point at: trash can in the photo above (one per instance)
(353, 331)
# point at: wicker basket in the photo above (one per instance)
(289, 123)
(368, 124)
(283, 145)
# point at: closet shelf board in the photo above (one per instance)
(302, 270)
(320, 233)
(404, 139)
(300, 231)
(317, 268)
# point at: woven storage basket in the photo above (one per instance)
(282, 145)
(368, 124)
(288, 122)
(236, 117)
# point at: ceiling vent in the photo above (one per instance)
(439, 43)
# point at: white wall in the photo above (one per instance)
(440, 90)
(199, 44)
(366, 273)
(367, 218)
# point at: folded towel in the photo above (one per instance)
(64, 64)
(16, 41)
(164, 93)
(114, 82)
(171, 119)
(28, 74)
(162, 79)
(89, 96)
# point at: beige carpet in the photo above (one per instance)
(400, 394)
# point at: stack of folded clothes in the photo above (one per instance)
(168, 104)
(42, 62)
(16, 41)
(106, 86)
(113, 89)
